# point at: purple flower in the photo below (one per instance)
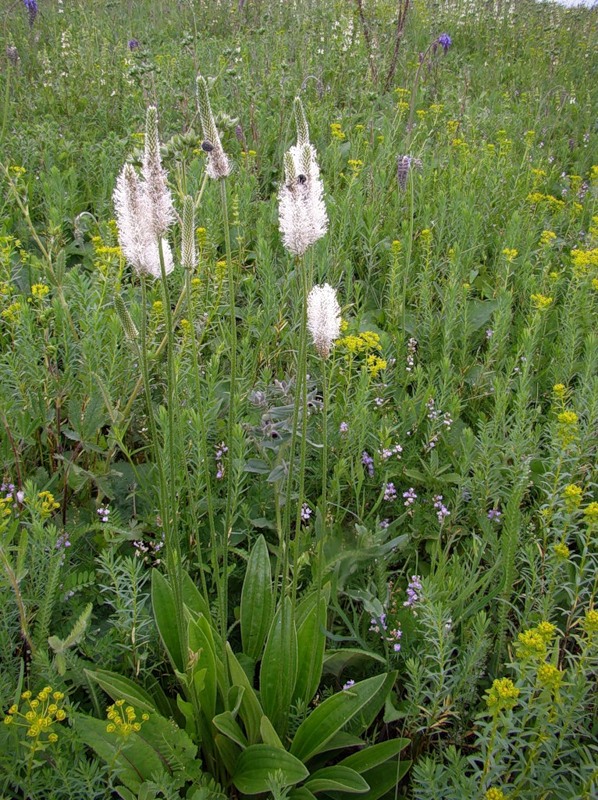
(384, 523)
(445, 40)
(133, 44)
(441, 510)
(104, 513)
(348, 684)
(344, 427)
(390, 493)
(394, 638)
(63, 541)
(410, 497)
(494, 515)
(413, 591)
(31, 6)
(368, 462)
(306, 512)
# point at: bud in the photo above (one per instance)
(218, 163)
(188, 253)
(162, 210)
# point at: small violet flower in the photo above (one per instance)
(494, 515)
(306, 512)
(104, 513)
(390, 493)
(348, 685)
(413, 591)
(445, 40)
(368, 463)
(410, 497)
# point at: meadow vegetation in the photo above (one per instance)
(298, 426)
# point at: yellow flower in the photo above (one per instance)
(157, 307)
(122, 720)
(494, 794)
(12, 313)
(396, 247)
(547, 238)
(550, 677)
(590, 513)
(559, 390)
(546, 630)
(452, 126)
(47, 503)
(590, 622)
(541, 302)
(39, 290)
(402, 106)
(572, 495)
(336, 131)
(510, 254)
(531, 644)
(356, 164)
(375, 365)
(502, 695)
(562, 551)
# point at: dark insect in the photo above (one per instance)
(207, 147)
(301, 178)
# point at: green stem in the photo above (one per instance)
(203, 440)
(228, 522)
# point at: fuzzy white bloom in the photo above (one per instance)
(136, 231)
(301, 212)
(323, 318)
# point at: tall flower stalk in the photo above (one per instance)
(144, 212)
(303, 221)
(219, 168)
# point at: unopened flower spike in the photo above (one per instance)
(218, 163)
(301, 122)
(162, 209)
(188, 252)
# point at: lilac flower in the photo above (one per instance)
(31, 6)
(441, 510)
(343, 427)
(390, 493)
(445, 40)
(394, 638)
(221, 451)
(20, 495)
(378, 623)
(411, 351)
(413, 591)
(494, 515)
(133, 44)
(388, 452)
(63, 541)
(348, 684)
(368, 463)
(489, 333)
(384, 523)
(379, 401)
(306, 513)
(104, 513)
(410, 497)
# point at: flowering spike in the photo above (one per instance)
(218, 163)
(162, 210)
(126, 321)
(188, 253)
(323, 318)
(136, 232)
(290, 173)
(301, 122)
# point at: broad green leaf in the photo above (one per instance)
(228, 725)
(256, 764)
(165, 616)
(372, 756)
(192, 597)
(311, 643)
(137, 763)
(336, 661)
(336, 778)
(361, 721)
(332, 715)
(269, 735)
(119, 687)
(201, 646)
(279, 666)
(301, 794)
(250, 710)
(229, 752)
(256, 600)
(383, 778)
